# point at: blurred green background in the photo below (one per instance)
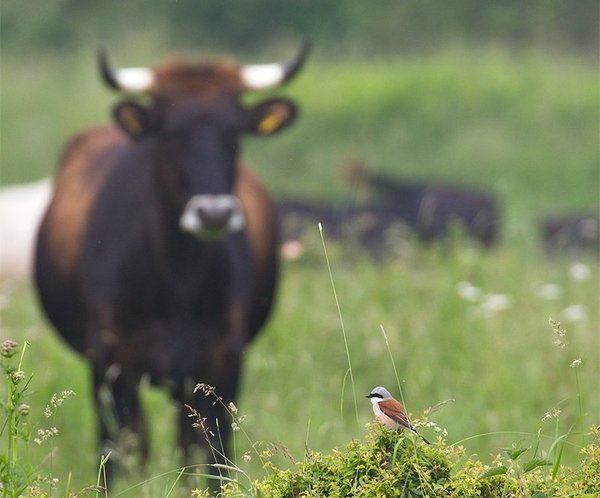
(499, 95)
(386, 28)
(503, 96)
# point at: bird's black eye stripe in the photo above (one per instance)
(376, 395)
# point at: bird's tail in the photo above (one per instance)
(414, 431)
(425, 440)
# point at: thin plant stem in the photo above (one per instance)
(25, 344)
(579, 395)
(11, 453)
(175, 482)
(387, 343)
(222, 452)
(337, 303)
(580, 405)
(13, 398)
(102, 475)
(306, 439)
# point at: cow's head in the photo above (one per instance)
(192, 123)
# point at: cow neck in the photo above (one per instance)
(197, 276)
(184, 251)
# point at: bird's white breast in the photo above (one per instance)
(383, 418)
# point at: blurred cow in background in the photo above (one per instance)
(571, 233)
(396, 211)
(158, 252)
(430, 209)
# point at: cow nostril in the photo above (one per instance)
(215, 217)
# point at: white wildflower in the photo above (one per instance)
(45, 434)
(559, 333)
(579, 271)
(232, 407)
(204, 388)
(551, 414)
(432, 425)
(549, 292)
(59, 398)
(574, 313)
(575, 363)
(495, 302)
(468, 292)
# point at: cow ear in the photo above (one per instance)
(271, 116)
(133, 119)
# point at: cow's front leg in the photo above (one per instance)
(122, 425)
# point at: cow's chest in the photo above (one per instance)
(169, 312)
(176, 349)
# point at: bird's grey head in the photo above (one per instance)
(379, 393)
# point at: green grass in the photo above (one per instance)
(501, 368)
(524, 126)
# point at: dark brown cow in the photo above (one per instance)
(400, 211)
(158, 252)
(430, 210)
(572, 233)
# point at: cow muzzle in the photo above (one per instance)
(211, 217)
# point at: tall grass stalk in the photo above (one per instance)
(175, 482)
(387, 345)
(306, 438)
(101, 477)
(339, 310)
(575, 366)
(222, 451)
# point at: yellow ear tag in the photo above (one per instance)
(271, 122)
(132, 123)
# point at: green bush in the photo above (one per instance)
(390, 463)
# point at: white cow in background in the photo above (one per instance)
(21, 209)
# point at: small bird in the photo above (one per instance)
(389, 411)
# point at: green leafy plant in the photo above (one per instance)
(18, 475)
(15, 471)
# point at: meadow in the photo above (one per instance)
(467, 330)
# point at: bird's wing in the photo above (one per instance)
(395, 411)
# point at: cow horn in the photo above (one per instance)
(264, 76)
(133, 79)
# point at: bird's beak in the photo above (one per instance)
(368, 396)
